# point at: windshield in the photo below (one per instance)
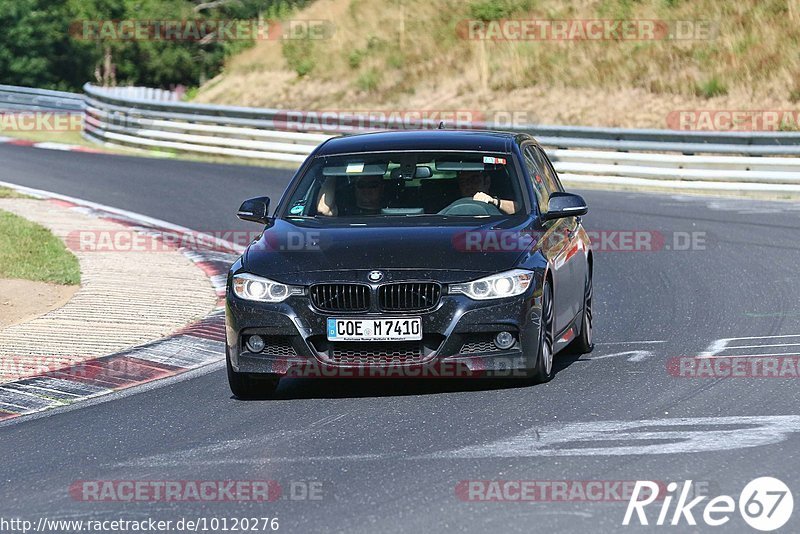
(408, 184)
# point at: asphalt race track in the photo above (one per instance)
(389, 455)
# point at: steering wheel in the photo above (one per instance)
(469, 207)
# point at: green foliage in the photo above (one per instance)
(711, 88)
(376, 43)
(395, 60)
(744, 44)
(29, 251)
(5, 192)
(369, 80)
(354, 58)
(616, 9)
(45, 43)
(498, 9)
(298, 55)
(280, 9)
(191, 93)
(357, 56)
(35, 47)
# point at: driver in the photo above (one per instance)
(473, 184)
(368, 197)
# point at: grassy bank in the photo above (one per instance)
(5, 192)
(411, 54)
(29, 251)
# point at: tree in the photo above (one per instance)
(50, 43)
(36, 49)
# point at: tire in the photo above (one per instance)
(543, 369)
(248, 386)
(583, 343)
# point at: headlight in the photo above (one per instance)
(251, 287)
(497, 286)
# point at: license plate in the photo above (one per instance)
(402, 329)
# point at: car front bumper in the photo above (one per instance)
(457, 339)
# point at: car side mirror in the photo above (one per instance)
(255, 210)
(563, 205)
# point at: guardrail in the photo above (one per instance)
(28, 98)
(677, 167)
(216, 130)
(145, 93)
(129, 117)
(663, 155)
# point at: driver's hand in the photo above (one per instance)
(483, 197)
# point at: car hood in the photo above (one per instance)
(292, 249)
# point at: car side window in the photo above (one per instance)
(536, 172)
(549, 172)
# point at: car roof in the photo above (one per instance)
(403, 140)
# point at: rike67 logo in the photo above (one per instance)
(766, 504)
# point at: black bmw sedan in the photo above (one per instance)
(414, 253)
